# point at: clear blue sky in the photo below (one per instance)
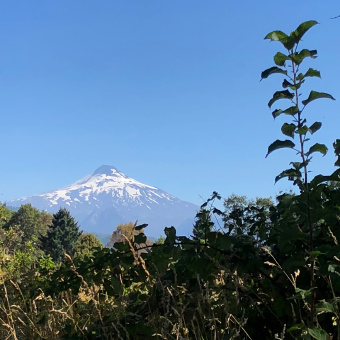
(167, 91)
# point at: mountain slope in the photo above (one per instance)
(108, 197)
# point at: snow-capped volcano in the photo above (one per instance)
(107, 197)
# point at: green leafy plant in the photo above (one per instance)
(305, 210)
(289, 65)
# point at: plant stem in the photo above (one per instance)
(309, 221)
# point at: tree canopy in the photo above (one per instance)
(86, 245)
(62, 236)
(32, 222)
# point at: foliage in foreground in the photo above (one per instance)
(271, 271)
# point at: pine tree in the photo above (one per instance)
(62, 236)
(203, 224)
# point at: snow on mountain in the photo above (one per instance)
(107, 197)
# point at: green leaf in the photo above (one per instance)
(302, 130)
(217, 211)
(290, 173)
(140, 227)
(315, 127)
(300, 165)
(140, 238)
(325, 307)
(279, 144)
(286, 84)
(280, 59)
(276, 113)
(316, 253)
(297, 327)
(322, 148)
(336, 146)
(293, 87)
(318, 333)
(303, 293)
(280, 95)
(302, 29)
(283, 38)
(332, 268)
(312, 73)
(288, 129)
(276, 36)
(272, 70)
(300, 56)
(318, 179)
(300, 76)
(291, 111)
(335, 176)
(297, 165)
(316, 95)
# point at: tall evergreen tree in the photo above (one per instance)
(62, 236)
(203, 224)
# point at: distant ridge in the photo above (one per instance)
(107, 197)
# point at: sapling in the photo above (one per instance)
(289, 64)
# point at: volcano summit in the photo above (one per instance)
(107, 197)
